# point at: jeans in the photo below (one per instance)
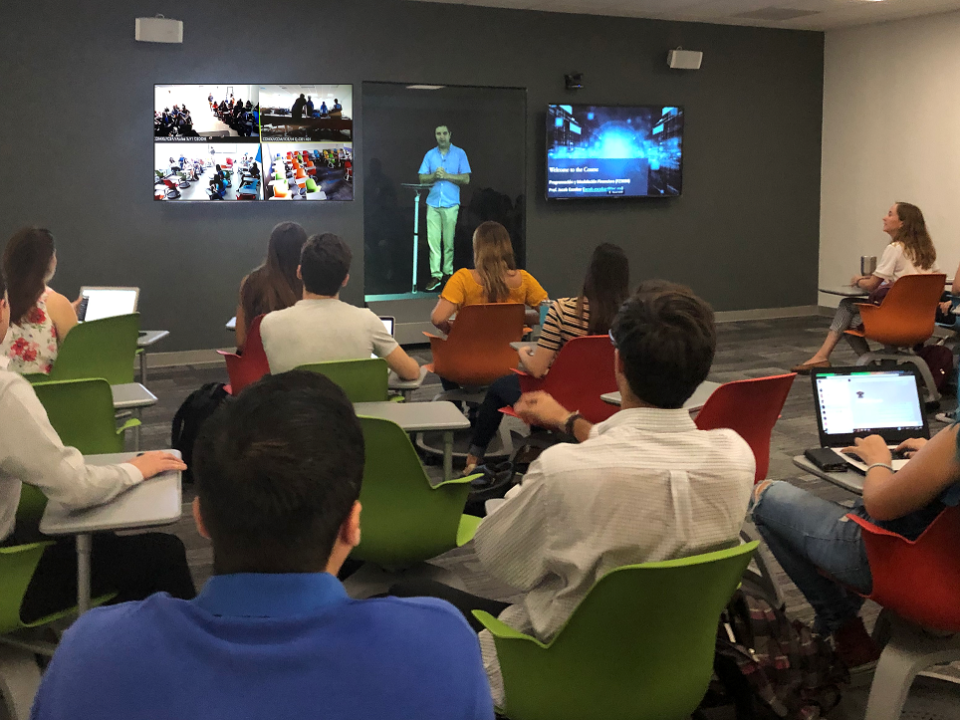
(441, 227)
(807, 534)
(502, 392)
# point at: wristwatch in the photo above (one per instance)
(571, 421)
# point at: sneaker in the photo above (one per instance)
(854, 645)
(434, 284)
(947, 417)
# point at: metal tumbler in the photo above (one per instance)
(868, 263)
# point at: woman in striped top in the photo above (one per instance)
(605, 288)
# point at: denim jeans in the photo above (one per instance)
(807, 534)
(502, 392)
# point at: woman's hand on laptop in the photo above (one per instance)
(871, 449)
(910, 447)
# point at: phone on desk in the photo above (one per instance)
(826, 459)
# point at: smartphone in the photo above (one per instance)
(825, 459)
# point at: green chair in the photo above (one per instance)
(405, 520)
(362, 380)
(19, 674)
(104, 348)
(311, 185)
(640, 646)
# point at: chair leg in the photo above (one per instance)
(19, 680)
(763, 578)
(910, 650)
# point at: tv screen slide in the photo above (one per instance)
(596, 151)
(213, 142)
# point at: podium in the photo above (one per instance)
(418, 190)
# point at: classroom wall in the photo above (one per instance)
(891, 112)
(77, 148)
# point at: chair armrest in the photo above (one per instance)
(518, 371)
(457, 481)
(500, 629)
(869, 527)
(132, 423)
(432, 336)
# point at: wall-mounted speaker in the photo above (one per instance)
(159, 30)
(680, 59)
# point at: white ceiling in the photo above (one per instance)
(823, 14)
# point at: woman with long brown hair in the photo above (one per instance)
(909, 252)
(495, 278)
(274, 285)
(40, 318)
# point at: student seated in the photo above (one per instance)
(321, 327)
(808, 534)
(40, 318)
(135, 566)
(275, 284)
(590, 313)
(273, 634)
(909, 252)
(642, 486)
(495, 280)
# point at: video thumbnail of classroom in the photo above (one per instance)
(308, 170)
(207, 171)
(206, 111)
(307, 112)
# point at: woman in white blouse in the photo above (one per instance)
(910, 252)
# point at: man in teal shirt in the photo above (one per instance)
(445, 167)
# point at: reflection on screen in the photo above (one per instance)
(862, 402)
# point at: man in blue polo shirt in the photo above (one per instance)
(447, 168)
(272, 634)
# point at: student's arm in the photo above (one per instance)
(955, 288)
(539, 408)
(536, 361)
(452, 298)
(441, 315)
(62, 313)
(240, 331)
(866, 282)
(934, 468)
(403, 365)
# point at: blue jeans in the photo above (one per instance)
(807, 534)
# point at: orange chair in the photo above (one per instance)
(751, 409)
(579, 375)
(300, 175)
(252, 365)
(905, 318)
(918, 585)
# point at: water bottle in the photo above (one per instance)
(868, 263)
(544, 309)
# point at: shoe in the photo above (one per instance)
(947, 417)
(854, 645)
(805, 368)
(434, 284)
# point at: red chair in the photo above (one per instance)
(580, 374)
(918, 584)
(751, 409)
(252, 365)
(477, 351)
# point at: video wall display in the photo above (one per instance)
(253, 142)
(439, 161)
(614, 151)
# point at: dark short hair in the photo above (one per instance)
(666, 338)
(278, 471)
(324, 264)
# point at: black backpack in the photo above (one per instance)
(200, 405)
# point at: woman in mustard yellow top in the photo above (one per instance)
(495, 280)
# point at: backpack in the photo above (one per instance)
(198, 406)
(940, 361)
(772, 668)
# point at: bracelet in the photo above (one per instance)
(571, 421)
(883, 465)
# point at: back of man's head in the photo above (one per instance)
(324, 264)
(666, 338)
(278, 472)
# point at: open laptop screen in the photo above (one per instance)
(388, 324)
(103, 302)
(855, 402)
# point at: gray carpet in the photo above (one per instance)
(745, 349)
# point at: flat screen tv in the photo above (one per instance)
(253, 142)
(614, 151)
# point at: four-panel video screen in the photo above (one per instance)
(253, 142)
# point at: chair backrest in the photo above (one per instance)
(362, 380)
(252, 365)
(105, 348)
(82, 413)
(919, 580)
(17, 564)
(907, 314)
(404, 521)
(750, 408)
(580, 374)
(639, 646)
(478, 351)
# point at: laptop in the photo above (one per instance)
(859, 401)
(103, 302)
(388, 323)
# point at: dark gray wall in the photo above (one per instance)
(77, 155)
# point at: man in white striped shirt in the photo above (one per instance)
(643, 486)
